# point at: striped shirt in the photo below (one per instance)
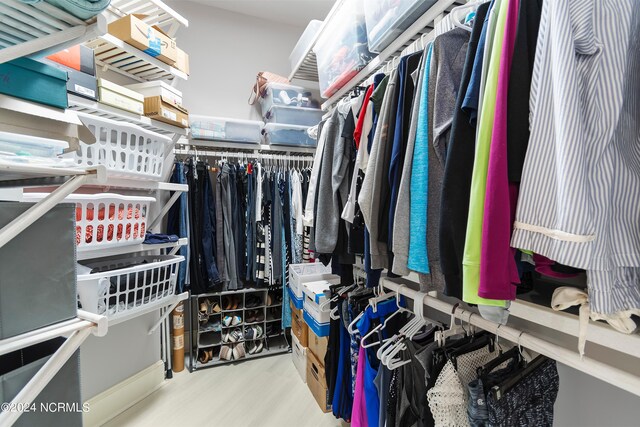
(580, 189)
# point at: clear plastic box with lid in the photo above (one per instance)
(289, 135)
(224, 129)
(342, 50)
(387, 19)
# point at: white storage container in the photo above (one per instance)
(342, 50)
(222, 129)
(304, 43)
(316, 293)
(294, 115)
(105, 220)
(286, 95)
(289, 135)
(120, 286)
(27, 145)
(299, 356)
(157, 88)
(307, 272)
(124, 149)
(387, 19)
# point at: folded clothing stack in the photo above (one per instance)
(83, 9)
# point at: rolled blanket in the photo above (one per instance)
(83, 9)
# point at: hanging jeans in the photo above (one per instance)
(177, 222)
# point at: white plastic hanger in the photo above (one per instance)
(381, 326)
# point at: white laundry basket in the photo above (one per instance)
(116, 287)
(124, 149)
(106, 219)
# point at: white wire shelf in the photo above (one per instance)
(149, 308)
(206, 143)
(95, 108)
(40, 28)
(421, 28)
(10, 171)
(115, 55)
(91, 253)
(157, 13)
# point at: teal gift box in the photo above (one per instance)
(34, 81)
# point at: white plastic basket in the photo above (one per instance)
(124, 149)
(116, 288)
(106, 219)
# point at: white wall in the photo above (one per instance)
(226, 51)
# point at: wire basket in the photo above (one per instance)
(124, 149)
(106, 219)
(117, 287)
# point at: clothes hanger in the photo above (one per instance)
(400, 309)
(414, 326)
(454, 329)
(454, 13)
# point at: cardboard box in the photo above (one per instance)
(161, 108)
(182, 62)
(34, 81)
(298, 326)
(151, 40)
(79, 58)
(299, 357)
(318, 346)
(317, 382)
(157, 88)
(79, 83)
(120, 97)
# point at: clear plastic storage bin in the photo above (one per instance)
(387, 19)
(121, 285)
(282, 94)
(106, 220)
(290, 135)
(293, 115)
(304, 43)
(124, 149)
(342, 50)
(222, 129)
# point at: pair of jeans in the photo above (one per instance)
(177, 222)
(208, 228)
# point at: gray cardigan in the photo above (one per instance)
(369, 197)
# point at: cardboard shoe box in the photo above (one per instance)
(34, 81)
(318, 346)
(317, 383)
(79, 83)
(133, 30)
(79, 58)
(298, 326)
(182, 62)
(161, 108)
(120, 97)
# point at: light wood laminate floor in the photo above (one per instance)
(258, 393)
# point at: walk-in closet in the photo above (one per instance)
(305, 213)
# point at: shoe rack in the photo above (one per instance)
(215, 317)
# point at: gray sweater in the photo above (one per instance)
(333, 187)
(369, 197)
(401, 221)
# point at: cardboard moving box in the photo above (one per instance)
(298, 326)
(182, 63)
(317, 383)
(151, 40)
(318, 346)
(161, 108)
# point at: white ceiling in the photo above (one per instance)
(292, 12)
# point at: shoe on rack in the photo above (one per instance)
(256, 347)
(226, 320)
(204, 356)
(250, 316)
(226, 353)
(236, 320)
(203, 318)
(239, 351)
(260, 316)
(227, 302)
(214, 307)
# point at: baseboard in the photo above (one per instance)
(112, 402)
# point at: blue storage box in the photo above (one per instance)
(34, 81)
(289, 135)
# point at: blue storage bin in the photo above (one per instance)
(289, 135)
(295, 300)
(34, 81)
(294, 116)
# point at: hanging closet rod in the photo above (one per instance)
(305, 157)
(602, 371)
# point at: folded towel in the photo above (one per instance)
(83, 9)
